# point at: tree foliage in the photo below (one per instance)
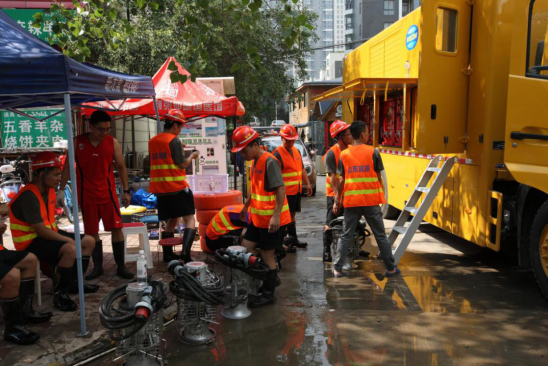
(248, 39)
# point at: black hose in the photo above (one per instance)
(259, 271)
(186, 286)
(113, 322)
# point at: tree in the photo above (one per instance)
(250, 40)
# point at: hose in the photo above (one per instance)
(259, 271)
(186, 286)
(114, 319)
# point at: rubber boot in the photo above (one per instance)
(267, 294)
(15, 330)
(88, 289)
(97, 256)
(118, 252)
(188, 239)
(26, 296)
(167, 251)
(326, 240)
(292, 232)
(61, 298)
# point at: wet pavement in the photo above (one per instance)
(454, 304)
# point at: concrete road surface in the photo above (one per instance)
(454, 304)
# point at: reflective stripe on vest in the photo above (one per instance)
(22, 232)
(337, 153)
(166, 177)
(292, 170)
(361, 184)
(262, 202)
(221, 223)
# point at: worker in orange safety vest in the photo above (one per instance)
(268, 207)
(293, 174)
(359, 185)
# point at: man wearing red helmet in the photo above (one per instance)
(33, 228)
(268, 207)
(175, 198)
(293, 173)
(339, 131)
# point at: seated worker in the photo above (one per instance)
(225, 227)
(268, 208)
(293, 173)
(33, 228)
(17, 274)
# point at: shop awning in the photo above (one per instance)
(365, 87)
(195, 100)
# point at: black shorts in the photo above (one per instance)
(175, 205)
(224, 241)
(294, 203)
(48, 250)
(330, 216)
(9, 258)
(264, 239)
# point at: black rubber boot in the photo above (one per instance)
(188, 239)
(268, 290)
(26, 296)
(167, 251)
(97, 256)
(118, 252)
(61, 298)
(292, 232)
(88, 289)
(327, 242)
(15, 330)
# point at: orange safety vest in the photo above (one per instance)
(166, 177)
(221, 224)
(263, 202)
(362, 187)
(22, 232)
(337, 152)
(292, 172)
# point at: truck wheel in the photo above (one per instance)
(538, 247)
(391, 213)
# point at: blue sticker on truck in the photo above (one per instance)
(412, 36)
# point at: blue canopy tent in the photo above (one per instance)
(34, 74)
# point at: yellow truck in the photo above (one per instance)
(465, 78)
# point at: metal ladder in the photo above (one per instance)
(431, 192)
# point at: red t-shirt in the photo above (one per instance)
(94, 171)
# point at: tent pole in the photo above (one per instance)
(236, 163)
(77, 241)
(124, 137)
(134, 155)
(156, 111)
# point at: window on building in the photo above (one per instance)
(360, 8)
(536, 60)
(348, 23)
(360, 30)
(405, 7)
(387, 25)
(446, 36)
(388, 7)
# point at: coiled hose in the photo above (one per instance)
(114, 318)
(186, 286)
(259, 271)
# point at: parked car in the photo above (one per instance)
(271, 142)
(278, 122)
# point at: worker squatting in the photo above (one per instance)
(264, 224)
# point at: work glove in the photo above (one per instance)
(60, 197)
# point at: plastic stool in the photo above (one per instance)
(140, 229)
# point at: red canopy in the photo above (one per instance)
(194, 99)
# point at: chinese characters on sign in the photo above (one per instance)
(24, 17)
(22, 132)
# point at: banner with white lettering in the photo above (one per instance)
(22, 132)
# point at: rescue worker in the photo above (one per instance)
(34, 230)
(339, 130)
(293, 173)
(360, 168)
(175, 198)
(95, 153)
(268, 207)
(225, 228)
(17, 274)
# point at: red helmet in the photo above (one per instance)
(242, 136)
(175, 115)
(46, 159)
(288, 132)
(338, 126)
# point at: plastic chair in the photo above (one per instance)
(140, 229)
